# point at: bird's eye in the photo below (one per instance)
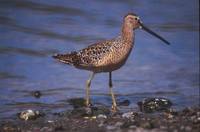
(136, 18)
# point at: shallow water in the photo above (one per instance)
(32, 31)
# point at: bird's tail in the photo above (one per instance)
(71, 58)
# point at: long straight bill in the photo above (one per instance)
(153, 33)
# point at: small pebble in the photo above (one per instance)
(37, 94)
(86, 117)
(132, 127)
(163, 127)
(118, 124)
(49, 121)
(101, 116)
(46, 129)
(182, 127)
(127, 115)
(110, 127)
(93, 117)
(188, 128)
(101, 124)
(170, 116)
(88, 111)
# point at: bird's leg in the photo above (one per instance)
(114, 104)
(88, 89)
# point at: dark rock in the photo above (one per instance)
(30, 115)
(188, 128)
(154, 104)
(37, 94)
(129, 115)
(111, 127)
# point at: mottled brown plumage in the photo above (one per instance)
(107, 56)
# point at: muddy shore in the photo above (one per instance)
(101, 119)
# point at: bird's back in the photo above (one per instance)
(100, 57)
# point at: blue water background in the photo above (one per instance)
(31, 31)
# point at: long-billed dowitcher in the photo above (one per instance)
(107, 56)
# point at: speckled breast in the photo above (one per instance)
(115, 58)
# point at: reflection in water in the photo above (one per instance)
(7, 75)
(29, 52)
(32, 31)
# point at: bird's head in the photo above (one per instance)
(133, 21)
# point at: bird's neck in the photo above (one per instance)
(127, 33)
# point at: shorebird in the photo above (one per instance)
(108, 55)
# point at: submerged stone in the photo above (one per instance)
(154, 104)
(36, 94)
(77, 102)
(124, 103)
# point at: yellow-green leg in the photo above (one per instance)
(114, 104)
(88, 83)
